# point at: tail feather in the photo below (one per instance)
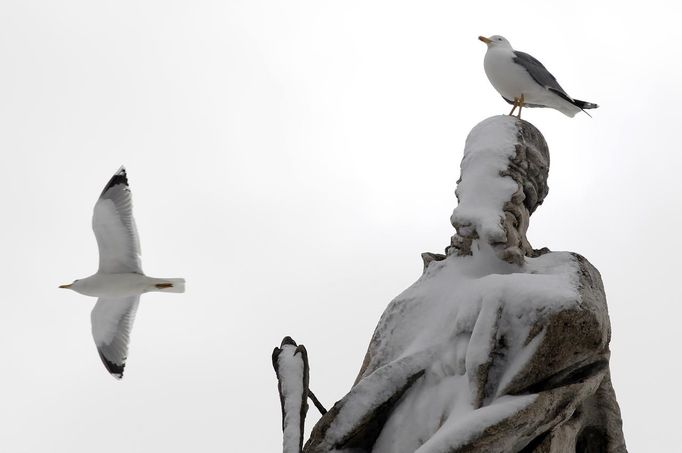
(171, 285)
(584, 105)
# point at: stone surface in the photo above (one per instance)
(512, 363)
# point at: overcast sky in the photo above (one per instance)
(291, 160)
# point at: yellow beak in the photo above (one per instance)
(485, 40)
(65, 286)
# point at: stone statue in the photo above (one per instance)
(497, 347)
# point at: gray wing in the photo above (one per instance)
(114, 227)
(539, 73)
(112, 321)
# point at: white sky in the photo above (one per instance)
(291, 160)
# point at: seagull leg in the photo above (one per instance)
(516, 103)
(520, 106)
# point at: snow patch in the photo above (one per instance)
(482, 192)
(291, 374)
(457, 431)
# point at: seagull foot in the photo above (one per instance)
(520, 102)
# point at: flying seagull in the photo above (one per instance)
(524, 82)
(119, 281)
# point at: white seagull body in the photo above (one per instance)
(524, 81)
(119, 282)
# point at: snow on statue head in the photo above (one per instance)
(503, 180)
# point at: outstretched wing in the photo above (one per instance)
(114, 227)
(112, 321)
(539, 73)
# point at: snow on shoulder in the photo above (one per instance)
(444, 333)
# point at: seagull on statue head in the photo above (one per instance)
(524, 82)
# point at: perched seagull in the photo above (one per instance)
(524, 82)
(119, 282)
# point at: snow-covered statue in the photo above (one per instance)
(497, 347)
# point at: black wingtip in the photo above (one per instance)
(584, 104)
(114, 369)
(120, 177)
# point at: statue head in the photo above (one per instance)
(503, 180)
